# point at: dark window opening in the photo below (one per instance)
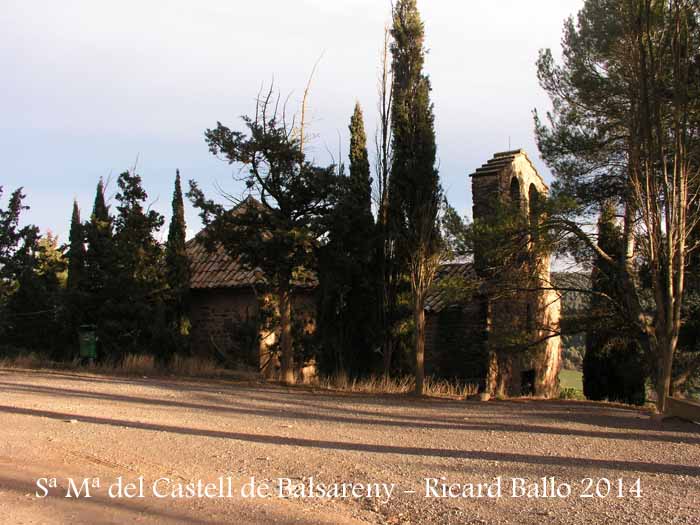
(515, 199)
(534, 201)
(527, 383)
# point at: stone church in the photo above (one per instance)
(466, 339)
(229, 306)
(474, 338)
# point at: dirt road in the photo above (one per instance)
(168, 437)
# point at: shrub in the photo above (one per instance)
(571, 393)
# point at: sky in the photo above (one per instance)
(92, 88)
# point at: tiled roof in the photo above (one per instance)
(438, 297)
(216, 269)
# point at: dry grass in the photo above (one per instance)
(401, 385)
(130, 365)
(195, 366)
(30, 360)
(146, 365)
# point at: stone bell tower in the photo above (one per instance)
(522, 310)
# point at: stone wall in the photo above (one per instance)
(455, 344)
(225, 323)
(217, 315)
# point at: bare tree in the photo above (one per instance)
(304, 102)
(383, 161)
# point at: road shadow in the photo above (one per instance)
(358, 417)
(532, 459)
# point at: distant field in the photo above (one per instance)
(571, 379)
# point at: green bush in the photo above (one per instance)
(571, 393)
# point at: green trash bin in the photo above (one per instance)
(87, 335)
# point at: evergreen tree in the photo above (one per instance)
(32, 274)
(76, 251)
(134, 229)
(75, 294)
(99, 278)
(281, 233)
(456, 233)
(613, 365)
(348, 314)
(176, 262)
(35, 305)
(414, 187)
(12, 237)
(360, 179)
(99, 256)
(626, 124)
(135, 313)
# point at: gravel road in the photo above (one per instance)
(151, 443)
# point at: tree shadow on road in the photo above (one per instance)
(574, 462)
(358, 417)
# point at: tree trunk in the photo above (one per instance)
(666, 350)
(286, 350)
(382, 309)
(389, 311)
(419, 319)
(387, 354)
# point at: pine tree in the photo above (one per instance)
(176, 262)
(624, 124)
(414, 186)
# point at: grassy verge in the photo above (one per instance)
(571, 379)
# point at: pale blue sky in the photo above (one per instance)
(89, 85)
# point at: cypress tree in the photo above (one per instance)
(75, 283)
(176, 262)
(613, 366)
(175, 256)
(99, 256)
(100, 210)
(360, 179)
(348, 290)
(76, 251)
(414, 186)
(362, 292)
